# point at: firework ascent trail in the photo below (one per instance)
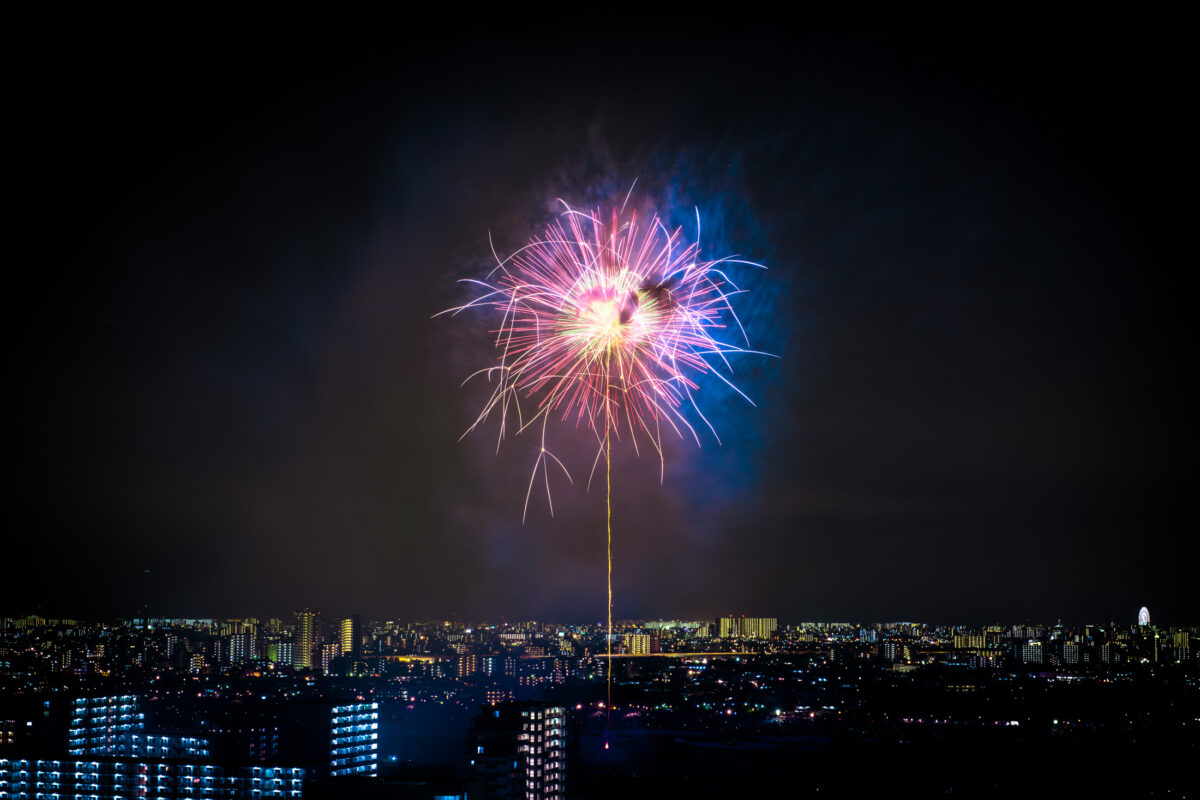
(604, 327)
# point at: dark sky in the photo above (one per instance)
(224, 366)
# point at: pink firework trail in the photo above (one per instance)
(605, 326)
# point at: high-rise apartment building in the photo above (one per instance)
(354, 740)
(350, 634)
(637, 644)
(519, 750)
(115, 726)
(306, 638)
(241, 648)
(543, 742)
(1029, 652)
(642, 644)
(103, 726)
(328, 653)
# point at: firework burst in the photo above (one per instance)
(606, 326)
(603, 326)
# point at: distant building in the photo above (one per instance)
(698, 629)
(970, 641)
(642, 644)
(350, 635)
(896, 650)
(1029, 652)
(306, 638)
(468, 665)
(220, 652)
(747, 627)
(241, 648)
(329, 652)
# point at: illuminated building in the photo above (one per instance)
(1029, 652)
(1181, 640)
(747, 627)
(151, 746)
(468, 664)
(544, 745)
(116, 726)
(118, 779)
(701, 628)
(354, 741)
(328, 653)
(499, 666)
(351, 636)
(102, 726)
(306, 638)
(241, 648)
(896, 650)
(972, 641)
(637, 644)
(519, 750)
(220, 652)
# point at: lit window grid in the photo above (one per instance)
(353, 743)
(92, 779)
(543, 743)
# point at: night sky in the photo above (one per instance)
(225, 366)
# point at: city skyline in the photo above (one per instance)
(228, 371)
(322, 705)
(309, 624)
